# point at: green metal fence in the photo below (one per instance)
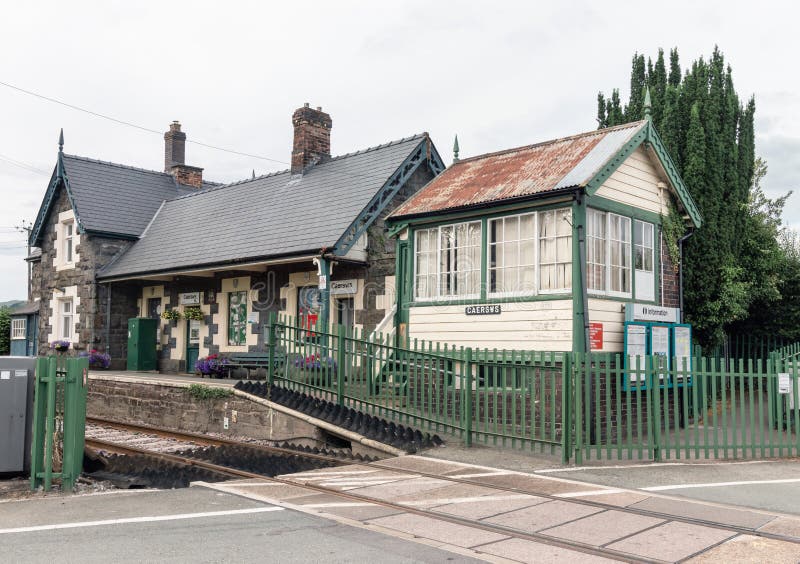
(579, 406)
(59, 421)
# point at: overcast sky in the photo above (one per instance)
(498, 74)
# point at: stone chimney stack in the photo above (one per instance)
(312, 137)
(175, 158)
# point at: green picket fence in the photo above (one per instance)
(699, 408)
(577, 406)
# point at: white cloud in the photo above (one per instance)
(498, 74)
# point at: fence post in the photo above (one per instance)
(271, 338)
(75, 388)
(466, 411)
(566, 408)
(341, 358)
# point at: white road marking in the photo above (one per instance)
(719, 484)
(148, 519)
(340, 504)
(250, 485)
(650, 465)
(478, 499)
(331, 473)
(590, 492)
(480, 475)
(342, 483)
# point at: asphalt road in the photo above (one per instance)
(772, 485)
(189, 525)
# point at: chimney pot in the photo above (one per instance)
(312, 137)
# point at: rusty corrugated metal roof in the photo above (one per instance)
(524, 171)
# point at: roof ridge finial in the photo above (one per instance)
(254, 174)
(455, 149)
(61, 141)
(648, 106)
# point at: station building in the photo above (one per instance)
(119, 242)
(546, 247)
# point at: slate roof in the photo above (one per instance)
(274, 215)
(26, 309)
(522, 172)
(113, 198)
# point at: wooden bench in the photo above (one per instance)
(239, 362)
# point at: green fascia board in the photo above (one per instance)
(384, 196)
(649, 135)
(59, 176)
(395, 230)
(604, 204)
(560, 200)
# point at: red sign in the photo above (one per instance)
(595, 336)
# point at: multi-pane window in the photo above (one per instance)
(66, 326)
(18, 328)
(619, 250)
(512, 254)
(644, 259)
(427, 241)
(608, 253)
(237, 318)
(555, 250)
(69, 242)
(596, 250)
(448, 261)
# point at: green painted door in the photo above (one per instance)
(192, 343)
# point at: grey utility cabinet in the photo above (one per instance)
(16, 412)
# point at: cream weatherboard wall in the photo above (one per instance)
(544, 325)
(637, 183)
(611, 314)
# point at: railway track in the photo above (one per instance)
(226, 472)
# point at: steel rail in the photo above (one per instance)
(552, 497)
(499, 529)
(214, 441)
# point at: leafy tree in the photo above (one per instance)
(5, 331)
(733, 265)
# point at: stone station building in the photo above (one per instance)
(119, 242)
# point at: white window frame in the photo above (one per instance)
(651, 295)
(438, 296)
(19, 328)
(566, 289)
(535, 290)
(591, 237)
(63, 315)
(623, 219)
(608, 217)
(68, 248)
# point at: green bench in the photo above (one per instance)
(240, 364)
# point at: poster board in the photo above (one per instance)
(636, 349)
(682, 352)
(660, 347)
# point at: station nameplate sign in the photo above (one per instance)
(189, 298)
(483, 309)
(646, 312)
(343, 287)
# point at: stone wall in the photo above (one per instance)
(174, 408)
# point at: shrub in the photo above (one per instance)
(211, 365)
(201, 392)
(97, 359)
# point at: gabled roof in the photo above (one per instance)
(538, 170)
(109, 198)
(26, 308)
(274, 215)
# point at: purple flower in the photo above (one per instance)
(60, 345)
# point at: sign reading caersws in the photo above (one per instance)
(483, 310)
(646, 312)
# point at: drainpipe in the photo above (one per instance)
(108, 318)
(587, 347)
(680, 270)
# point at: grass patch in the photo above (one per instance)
(201, 392)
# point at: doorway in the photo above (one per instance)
(192, 343)
(345, 312)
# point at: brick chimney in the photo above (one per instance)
(312, 137)
(175, 158)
